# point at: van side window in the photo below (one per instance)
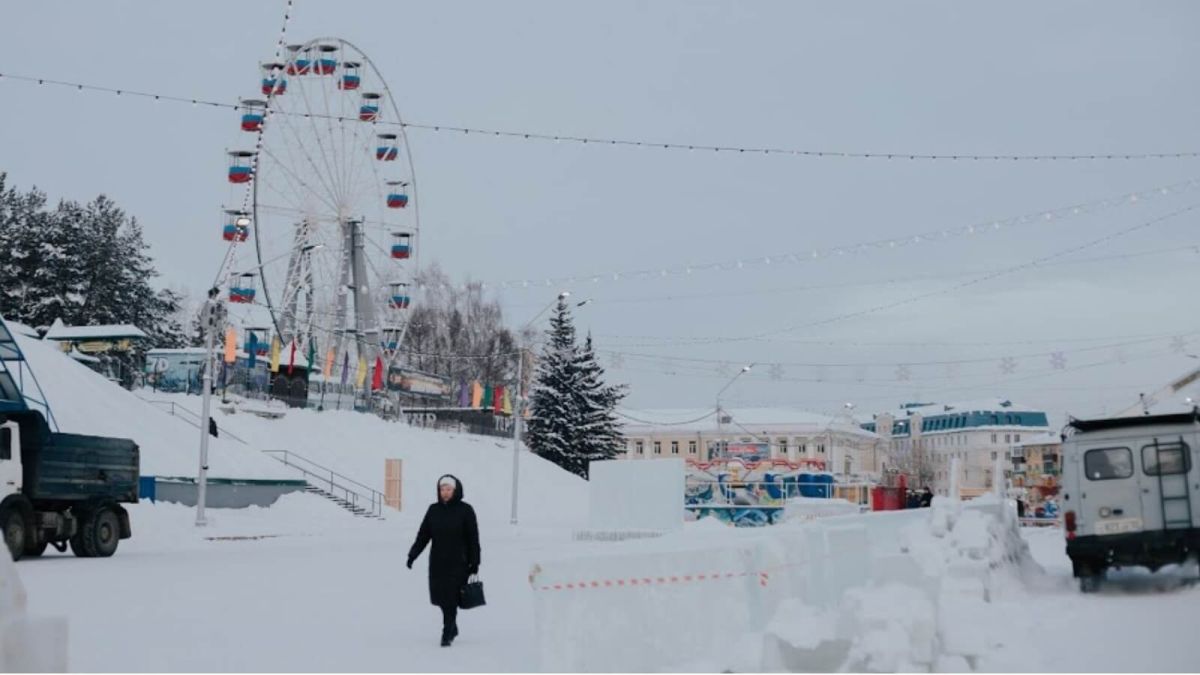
(1175, 459)
(1108, 463)
(5, 444)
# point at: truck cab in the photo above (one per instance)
(1131, 492)
(63, 490)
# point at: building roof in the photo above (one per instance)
(976, 405)
(83, 358)
(1106, 423)
(60, 331)
(749, 420)
(19, 328)
(1045, 438)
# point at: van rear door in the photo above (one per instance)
(1166, 465)
(1109, 490)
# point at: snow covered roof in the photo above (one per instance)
(19, 328)
(977, 405)
(1047, 438)
(754, 419)
(83, 358)
(60, 331)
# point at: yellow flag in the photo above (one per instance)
(476, 395)
(230, 345)
(361, 376)
(507, 407)
(275, 347)
(328, 364)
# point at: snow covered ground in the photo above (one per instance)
(304, 586)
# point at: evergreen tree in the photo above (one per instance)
(599, 432)
(553, 404)
(572, 410)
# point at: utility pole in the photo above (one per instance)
(212, 318)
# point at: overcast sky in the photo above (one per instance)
(945, 77)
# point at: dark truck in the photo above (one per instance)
(60, 488)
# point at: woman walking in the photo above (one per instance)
(451, 525)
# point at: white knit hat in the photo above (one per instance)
(448, 480)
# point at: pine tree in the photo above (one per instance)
(599, 432)
(553, 403)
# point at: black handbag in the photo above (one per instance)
(471, 594)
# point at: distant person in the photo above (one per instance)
(912, 500)
(1020, 507)
(926, 498)
(451, 525)
(212, 427)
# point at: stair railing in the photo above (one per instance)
(358, 495)
(190, 417)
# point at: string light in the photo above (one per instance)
(687, 147)
(991, 225)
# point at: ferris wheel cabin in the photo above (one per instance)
(273, 82)
(401, 245)
(391, 338)
(387, 150)
(254, 113)
(240, 169)
(243, 289)
(400, 298)
(368, 111)
(350, 80)
(326, 59)
(300, 62)
(236, 227)
(397, 197)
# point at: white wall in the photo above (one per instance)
(644, 495)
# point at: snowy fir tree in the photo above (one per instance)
(85, 264)
(598, 432)
(572, 411)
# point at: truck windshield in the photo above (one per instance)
(1174, 458)
(1108, 463)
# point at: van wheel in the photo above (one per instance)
(103, 532)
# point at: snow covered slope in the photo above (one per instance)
(356, 445)
(84, 402)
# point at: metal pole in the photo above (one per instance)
(516, 470)
(211, 314)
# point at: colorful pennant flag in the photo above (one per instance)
(275, 347)
(360, 376)
(377, 378)
(476, 395)
(230, 345)
(292, 358)
(346, 367)
(328, 370)
(253, 350)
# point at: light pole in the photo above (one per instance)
(212, 316)
(519, 407)
(745, 369)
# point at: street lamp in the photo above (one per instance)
(745, 369)
(518, 408)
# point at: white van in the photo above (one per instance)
(1131, 492)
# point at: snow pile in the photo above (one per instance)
(356, 445)
(811, 508)
(84, 402)
(873, 592)
(27, 644)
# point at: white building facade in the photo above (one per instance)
(924, 439)
(838, 445)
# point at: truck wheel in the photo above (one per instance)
(33, 550)
(79, 540)
(102, 533)
(12, 522)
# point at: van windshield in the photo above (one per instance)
(1108, 463)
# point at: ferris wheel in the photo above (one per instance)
(323, 248)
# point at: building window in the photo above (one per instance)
(993, 438)
(674, 447)
(803, 448)
(639, 447)
(1008, 438)
(1017, 438)
(691, 447)
(658, 447)
(782, 446)
(820, 448)
(994, 455)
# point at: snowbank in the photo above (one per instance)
(85, 402)
(27, 644)
(876, 592)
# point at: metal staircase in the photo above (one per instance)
(361, 500)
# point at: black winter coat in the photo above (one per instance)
(454, 531)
